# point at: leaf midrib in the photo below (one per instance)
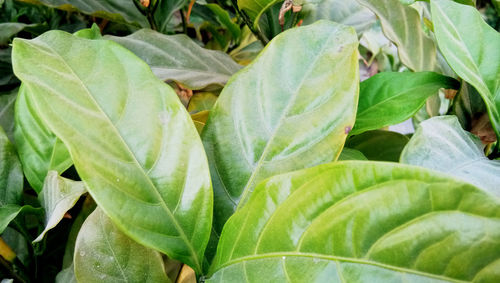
(260, 162)
(141, 169)
(280, 255)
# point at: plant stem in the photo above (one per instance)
(184, 23)
(249, 23)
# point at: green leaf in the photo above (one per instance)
(39, 149)
(8, 30)
(11, 174)
(133, 144)
(225, 20)
(104, 254)
(351, 154)
(471, 47)
(10, 211)
(201, 101)
(67, 275)
(390, 98)
(90, 33)
(7, 78)
(307, 79)
(441, 144)
(349, 13)
(165, 12)
(358, 221)
(255, 8)
(401, 24)
(113, 10)
(7, 102)
(379, 145)
(58, 196)
(200, 120)
(179, 58)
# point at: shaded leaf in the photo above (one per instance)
(471, 47)
(11, 174)
(8, 30)
(10, 211)
(67, 275)
(379, 145)
(307, 79)
(200, 120)
(7, 102)
(39, 149)
(201, 101)
(133, 144)
(349, 13)
(225, 20)
(114, 10)
(390, 98)
(441, 144)
(164, 14)
(179, 58)
(351, 154)
(57, 197)
(7, 78)
(401, 24)
(104, 254)
(358, 221)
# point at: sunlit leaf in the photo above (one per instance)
(358, 221)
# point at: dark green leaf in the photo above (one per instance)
(11, 174)
(390, 98)
(7, 102)
(351, 154)
(379, 145)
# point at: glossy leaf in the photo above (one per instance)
(104, 254)
(9, 212)
(114, 10)
(58, 196)
(133, 144)
(165, 12)
(306, 78)
(471, 47)
(7, 102)
(379, 145)
(401, 24)
(441, 144)
(179, 58)
(358, 221)
(39, 149)
(390, 98)
(349, 13)
(11, 174)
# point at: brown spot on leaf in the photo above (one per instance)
(450, 93)
(482, 128)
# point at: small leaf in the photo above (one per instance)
(201, 101)
(307, 79)
(471, 47)
(359, 221)
(104, 254)
(179, 58)
(379, 145)
(441, 144)
(90, 33)
(58, 196)
(390, 98)
(351, 154)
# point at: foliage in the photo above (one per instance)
(249, 140)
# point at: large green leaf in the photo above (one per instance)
(39, 149)
(11, 174)
(402, 25)
(471, 47)
(115, 10)
(291, 108)
(379, 145)
(179, 58)
(441, 144)
(358, 221)
(7, 102)
(58, 196)
(349, 13)
(131, 140)
(390, 98)
(105, 254)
